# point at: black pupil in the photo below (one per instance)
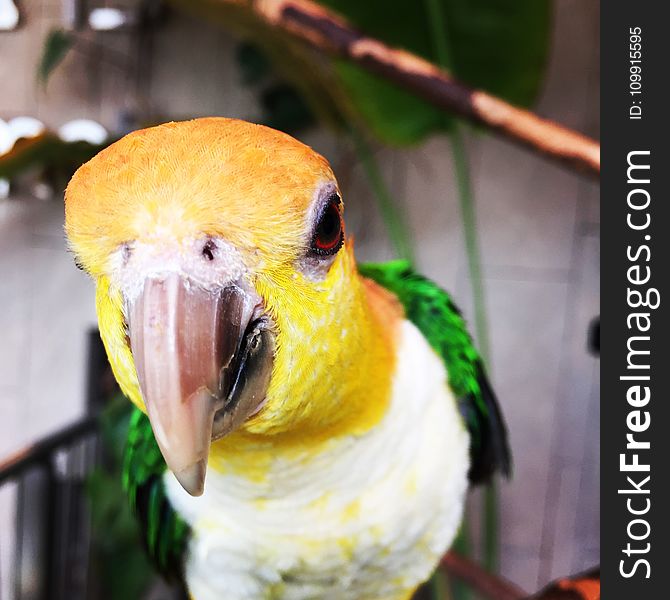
(328, 231)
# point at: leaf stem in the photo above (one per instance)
(393, 215)
(440, 39)
(468, 214)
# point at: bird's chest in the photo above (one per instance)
(366, 517)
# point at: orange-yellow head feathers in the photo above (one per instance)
(249, 184)
(228, 297)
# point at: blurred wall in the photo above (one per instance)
(538, 228)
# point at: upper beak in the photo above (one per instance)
(203, 361)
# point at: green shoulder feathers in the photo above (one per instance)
(165, 533)
(431, 310)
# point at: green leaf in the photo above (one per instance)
(56, 46)
(497, 45)
(500, 45)
(395, 116)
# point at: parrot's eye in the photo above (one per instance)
(328, 235)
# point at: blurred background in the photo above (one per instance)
(514, 237)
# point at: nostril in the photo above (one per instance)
(126, 252)
(208, 250)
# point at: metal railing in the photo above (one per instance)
(51, 534)
(50, 554)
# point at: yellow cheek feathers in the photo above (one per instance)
(109, 306)
(333, 366)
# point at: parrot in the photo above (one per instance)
(304, 426)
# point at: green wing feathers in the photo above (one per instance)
(165, 533)
(432, 311)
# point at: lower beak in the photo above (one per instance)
(203, 361)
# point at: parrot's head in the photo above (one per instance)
(227, 294)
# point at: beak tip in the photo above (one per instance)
(192, 478)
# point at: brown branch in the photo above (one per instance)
(488, 585)
(327, 31)
(585, 586)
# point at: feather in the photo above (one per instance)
(164, 532)
(433, 312)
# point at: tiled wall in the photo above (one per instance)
(538, 228)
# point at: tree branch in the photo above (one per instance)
(488, 585)
(585, 586)
(328, 32)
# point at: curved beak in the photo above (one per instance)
(203, 360)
